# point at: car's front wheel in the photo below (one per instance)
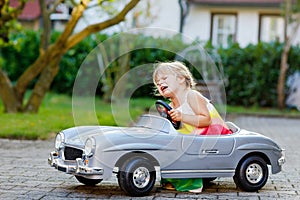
(86, 181)
(137, 176)
(252, 174)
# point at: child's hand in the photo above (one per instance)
(175, 115)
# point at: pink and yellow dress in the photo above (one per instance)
(217, 127)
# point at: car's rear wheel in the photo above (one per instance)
(86, 181)
(137, 176)
(252, 174)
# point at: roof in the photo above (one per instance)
(250, 3)
(31, 10)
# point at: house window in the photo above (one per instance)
(223, 29)
(61, 16)
(271, 28)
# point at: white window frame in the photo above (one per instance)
(223, 34)
(271, 28)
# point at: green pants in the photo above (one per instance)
(184, 184)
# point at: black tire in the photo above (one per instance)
(137, 176)
(252, 174)
(89, 182)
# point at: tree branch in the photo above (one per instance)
(76, 15)
(76, 38)
(4, 80)
(7, 94)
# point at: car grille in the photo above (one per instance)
(72, 153)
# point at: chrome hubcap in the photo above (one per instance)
(254, 173)
(141, 177)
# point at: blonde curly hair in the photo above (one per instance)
(176, 67)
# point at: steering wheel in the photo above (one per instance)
(163, 108)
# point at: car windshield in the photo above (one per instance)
(153, 122)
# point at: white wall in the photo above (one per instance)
(167, 14)
(197, 24)
(247, 27)
(297, 38)
(198, 21)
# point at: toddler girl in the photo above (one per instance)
(197, 115)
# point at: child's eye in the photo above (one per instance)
(163, 78)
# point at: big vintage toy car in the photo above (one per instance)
(94, 153)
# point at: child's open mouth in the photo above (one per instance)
(163, 88)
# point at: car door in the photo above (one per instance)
(208, 152)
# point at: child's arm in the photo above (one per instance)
(199, 106)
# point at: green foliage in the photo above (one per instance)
(156, 54)
(69, 65)
(16, 60)
(9, 23)
(252, 71)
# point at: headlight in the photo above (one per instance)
(59, 140)
(89, 146)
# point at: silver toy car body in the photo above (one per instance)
(93, 153)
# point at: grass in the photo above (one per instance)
(271, 112)
(56, 113)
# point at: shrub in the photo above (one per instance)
(252, 73)
(16, 60)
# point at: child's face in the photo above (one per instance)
(167, 83)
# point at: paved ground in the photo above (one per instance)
(25, 174)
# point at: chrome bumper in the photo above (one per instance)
(281, 160)
(76, 168)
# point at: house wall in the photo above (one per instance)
(198, 23)
(167, 14)
(247, 27)
(30, 24)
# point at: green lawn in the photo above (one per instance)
(56, 113)
(271, 112)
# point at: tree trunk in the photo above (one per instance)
(46, 24)
(289, 15)
(282, 77)
(42, 86)
(10, 100)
